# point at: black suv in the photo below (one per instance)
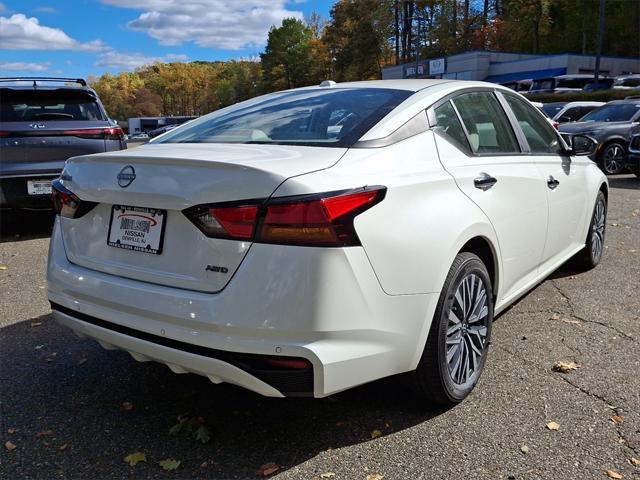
(44, 121)
(610, 125)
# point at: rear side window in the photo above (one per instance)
(448, 125)
(316, 117)
(49, 105)
(540, 135)
(486, 123)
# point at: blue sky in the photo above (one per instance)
(78, 38)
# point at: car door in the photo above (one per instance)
(478, 147)
(565, 180)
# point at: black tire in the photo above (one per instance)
(433, 380)
(612, 158)
(589, 257)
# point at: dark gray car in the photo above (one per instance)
(44, 121)
(610, 125)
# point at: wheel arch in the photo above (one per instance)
(610, 140)
(484, 249)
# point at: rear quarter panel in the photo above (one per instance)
(413, 235)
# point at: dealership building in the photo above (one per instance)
(504, 67)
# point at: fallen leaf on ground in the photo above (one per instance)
(341, 424)
(3, 267)
(9, 446)
(202, 434)
(63, 447)
(135, 458)
(169, 464)
(565, 367)
(376, 434)
(51, 356)
(127, 406)
(44, 433)
(204, 465)
(634, 461)
(524, 449)
(613, 474)
(82, 361)
(375, 476)
(12, 430)
(267, 469)
(553, 426)
(36, 324)
(327, 475)
(617, 419)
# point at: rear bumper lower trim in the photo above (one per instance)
(286, 382)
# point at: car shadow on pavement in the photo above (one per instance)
(25, 225)
(74, 391)
(625, 181)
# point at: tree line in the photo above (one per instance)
(360, 38)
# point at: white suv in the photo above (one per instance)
(260, 246)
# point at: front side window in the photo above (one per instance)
(448, 125)
(487, 125)
(540, 135)
(316, 117)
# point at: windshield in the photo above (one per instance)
(572, 82)
(50, 105)
(552, 108)
(318, 117)
(621, 112)
(546, 84)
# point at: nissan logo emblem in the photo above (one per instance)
(126, 176)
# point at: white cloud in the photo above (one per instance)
(24, 67)
(223, 24)
(177, 57)
(113, 59)
(19, 32)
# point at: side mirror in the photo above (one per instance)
(581, 145)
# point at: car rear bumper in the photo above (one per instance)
(323, 305)
(13, 184)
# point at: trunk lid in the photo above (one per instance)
(174, 177)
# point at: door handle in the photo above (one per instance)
(552, 183)
(484, 181)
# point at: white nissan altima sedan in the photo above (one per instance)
(308, 241)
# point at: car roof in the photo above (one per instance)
(584, 104)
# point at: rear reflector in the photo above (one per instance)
(309, 220)
(66, 203)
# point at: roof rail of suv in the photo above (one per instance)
(80, 81)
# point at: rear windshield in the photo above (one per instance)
(50, 105)
(621, 112)
(571, 82)
(318, 117)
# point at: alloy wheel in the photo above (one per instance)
(613, 157)
(466, 337)
(597, 230)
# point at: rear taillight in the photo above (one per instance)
(555, 124)
(310, 220)
(111, 133)
(236, 222)
(66, 203)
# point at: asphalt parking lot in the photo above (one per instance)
(69, 409)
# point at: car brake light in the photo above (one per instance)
(309, 220)
(236, 222)
(66, 203)
(111, 133)
(318, 220)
